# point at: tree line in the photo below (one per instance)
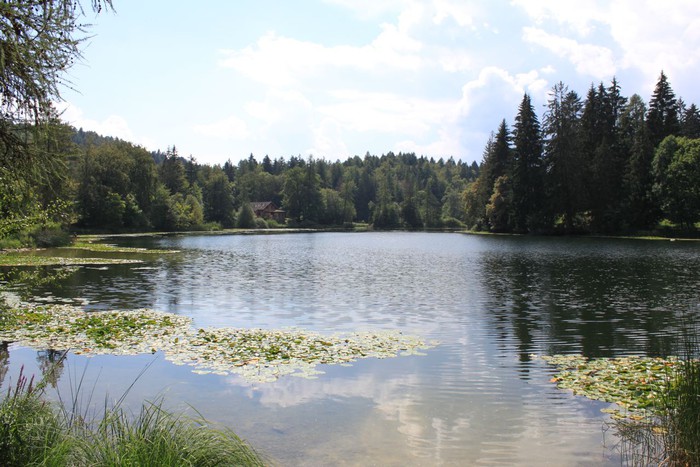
(603, 164)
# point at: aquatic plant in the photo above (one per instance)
(258, 355)
(657, 402)
(634, 384)
(109, 248)
(20, 258)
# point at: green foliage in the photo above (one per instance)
(246, 217)
(676, 169)
(32, 432)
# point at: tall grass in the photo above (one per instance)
(671, 435)
(33, 432)
(681, 410)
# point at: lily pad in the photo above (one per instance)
(259, 355)
(633, 384)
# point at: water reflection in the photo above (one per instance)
(489, 301)
(599, 298)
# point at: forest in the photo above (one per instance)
(603, 164)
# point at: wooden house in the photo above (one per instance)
(268, 210)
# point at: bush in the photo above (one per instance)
(273, 224)
(452, 223)
(51, 235)
(246, 217)
(260, 223)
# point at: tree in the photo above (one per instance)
(498, 211)
(563, 162)
(172, 173)
(302, 193)
(639, 209)
(603, 156)
(527, 174)
(676, 169)
(690, 122)
(39, 42)
(246, 217)
(218, 199)
(662, 119)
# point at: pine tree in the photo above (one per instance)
(527, 173)
(662, 118)
(563, 162)
(639, 209)
(690, 122)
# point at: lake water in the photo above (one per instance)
(477, 398)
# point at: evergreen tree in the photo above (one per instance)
(690, 123)
(639, 209)
(172, 173)
(662, 118)
(563, 162)
(527, 174)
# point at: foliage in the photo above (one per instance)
(256, 354)
(676, 169)
(32, 432)
(246, 217)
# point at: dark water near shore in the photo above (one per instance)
(477, 398)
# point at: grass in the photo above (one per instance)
(680, 419)
(33, 432)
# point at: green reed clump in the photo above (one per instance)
(157, 437)
(33, 432)
(681, 412)
(671, 435)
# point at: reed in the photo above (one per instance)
(35, 432)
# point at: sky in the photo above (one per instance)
(221, 79)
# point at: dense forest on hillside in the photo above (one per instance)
(603, 164)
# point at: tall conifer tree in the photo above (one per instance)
(662, 118)
(527, 174)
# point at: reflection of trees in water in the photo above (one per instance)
(595, 304)
(4, 360)
(51, 365)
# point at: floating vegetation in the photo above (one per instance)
(14, 258)
(109, 248)
(257, 355)
(634, 384)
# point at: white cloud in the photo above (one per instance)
(229, 128)
(384, 112)
(651, 35)
(113, 125)
(589, 59)
(282, 61)
(328, 140)
(495, 89)
(463, 13)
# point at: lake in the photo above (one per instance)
(478, 397)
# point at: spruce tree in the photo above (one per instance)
(662, 118)
(527, 173)
(563, 162)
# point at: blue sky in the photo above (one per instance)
(335, 78)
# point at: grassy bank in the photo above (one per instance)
(35, 432)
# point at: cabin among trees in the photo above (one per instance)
(268, 210)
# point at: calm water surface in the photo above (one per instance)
(477, 398)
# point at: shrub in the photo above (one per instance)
(260, 223)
